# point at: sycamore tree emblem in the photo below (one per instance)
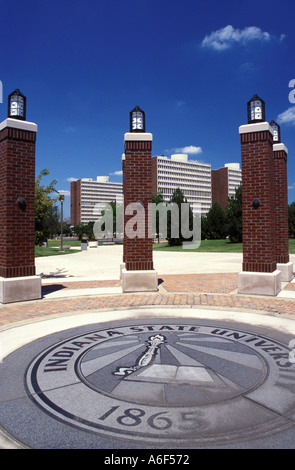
(154, 342)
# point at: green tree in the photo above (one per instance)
(83, 229)
(52, 222)
(111, 211)
(215, 222)
(233, 214)
(43, 206)
(179, 199)
(204, 227)
(291, 214)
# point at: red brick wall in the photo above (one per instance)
(17, 179)
(259, 250)
(154, 175)
(76, 202)
(219, 185)
(137, 186)
(281, 206)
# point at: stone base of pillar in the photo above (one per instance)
(18, 289)
(286, 270)
(259, 283)
(139, 281)
(122, 266)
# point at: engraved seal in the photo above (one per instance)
(183, 383)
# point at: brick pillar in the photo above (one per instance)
(259, 274)
(76, 202)
(139, 274)
(284, 265)
(17, 229)
(219, 186)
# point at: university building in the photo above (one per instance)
(201, 186)
(192, 177)
(224, 183)
(89, 197)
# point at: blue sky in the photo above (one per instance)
(190, 65)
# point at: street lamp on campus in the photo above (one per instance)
(256, 110)
(61, 199)
(137, 120)
(276, 132)
(17, 105)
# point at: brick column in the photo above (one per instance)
(75, 202)
(139, 274)
(284, 265)
(259, 274)
(17, 212)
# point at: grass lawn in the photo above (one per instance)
(43, 251)
(52, 243)
(218, 246)
(51, 251)
(207, 246)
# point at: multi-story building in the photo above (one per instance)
(192, 177)
(89, 197)
(201, 186)
(224, 183)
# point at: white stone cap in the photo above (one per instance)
(279, 147)
(256, 127)
(18, 124)
(138, 136)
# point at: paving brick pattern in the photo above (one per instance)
(206, 290)
(207, 283)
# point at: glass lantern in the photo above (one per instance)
(17, 105)
(137, 120)
(256, 110)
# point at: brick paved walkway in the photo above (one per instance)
(202, 290)
(207, 283)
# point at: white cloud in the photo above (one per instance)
(117, 173)
(287, 117)
(72, 179)
(226, 37)
(64, 192)
(292, 186)
(190, 150)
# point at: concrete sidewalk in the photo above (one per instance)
(104, 263)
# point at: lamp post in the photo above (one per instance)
(17, 105)
(276, 132)
(256, 110)
(137, 120)
(61, 199)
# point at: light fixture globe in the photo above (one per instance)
(276, 132)
(137, 120)
(256, 110)
(17, 105)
